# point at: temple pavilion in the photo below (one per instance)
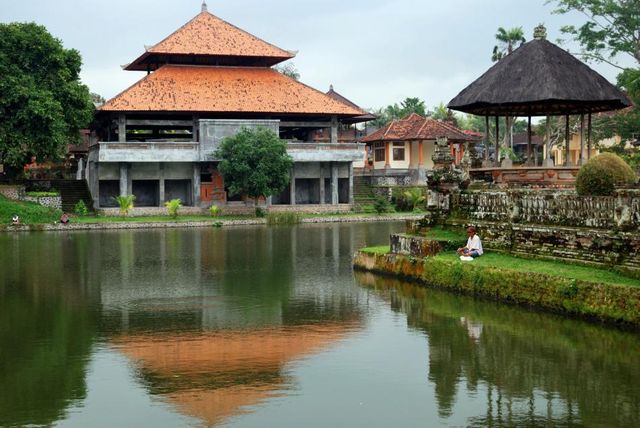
(205, 82)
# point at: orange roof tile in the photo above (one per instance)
(208, 35)
(416, 127)
(177, 88)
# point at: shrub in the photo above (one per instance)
(43, 194)
(381, 205)
(125, 203)
(81, 208)
(600, 175)
(275, 218)
(260, 213)
(215, 211)
(173, 206)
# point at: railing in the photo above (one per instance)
(166, 151)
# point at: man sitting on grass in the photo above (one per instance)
(473, 248)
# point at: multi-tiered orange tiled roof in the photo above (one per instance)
(416, 127)
(211, 40)
(178, 88)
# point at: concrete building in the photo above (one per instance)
(205, 82)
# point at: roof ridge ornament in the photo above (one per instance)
(204, 6)
(540, 32)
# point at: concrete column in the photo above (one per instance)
(194, 128)
(268, 201)
(387, 155)
(124, 179)
(334, 183)
(122, 128)
(351, 183)
(196, 184)
(334, 129)
(292, 185)
(161, 196)
(94, 182)
(322, 189)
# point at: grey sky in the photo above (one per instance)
(374, 52)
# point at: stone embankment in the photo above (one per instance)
(590, 299)
(172, 224)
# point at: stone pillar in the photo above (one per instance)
(268, 201)
(334, 183)
(387, 155)
(122, 128)
(94, 182)
(334, 129)
(322, 189)
(351, 183)
(195, 127)
(161, 196)
(292, 185)
(124, 179)
(196, 184)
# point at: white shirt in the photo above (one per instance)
(475, 244)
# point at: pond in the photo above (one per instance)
(261, 326)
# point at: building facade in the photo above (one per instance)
(206, 81)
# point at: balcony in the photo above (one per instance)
(114, 151)
(325, 152)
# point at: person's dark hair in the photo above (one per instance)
(471, 229)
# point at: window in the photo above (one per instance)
(378, 152)
(398, 151)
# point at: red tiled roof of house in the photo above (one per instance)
(339, 97)
(416, 127)
(176, 88)
(208, 35)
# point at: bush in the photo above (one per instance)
(125, 203)
(381, 205)
(81, 208)
(215, 211)
(275, 218)
(173, 206)
(260, 213)
(602, 174)
(50, 194)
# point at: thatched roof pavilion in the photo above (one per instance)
(539, 79)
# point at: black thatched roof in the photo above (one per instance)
(539, 79)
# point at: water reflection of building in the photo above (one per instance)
(532, 369)
(216, 375)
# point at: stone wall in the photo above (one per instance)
(47, 201)
(550, 207)
(12, 191)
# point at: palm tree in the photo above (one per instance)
(507, 41)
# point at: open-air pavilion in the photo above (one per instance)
(538, 79)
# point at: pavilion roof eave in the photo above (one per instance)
(539, 108)
(143, 62)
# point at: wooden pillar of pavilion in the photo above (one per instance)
(486, 142)
(567, 139)
(529, 163)
(387, 155)
(589, 136)
(497, 153)
(581, 156)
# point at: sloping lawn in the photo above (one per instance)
(29, 212)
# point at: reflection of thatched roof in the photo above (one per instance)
(538, 79)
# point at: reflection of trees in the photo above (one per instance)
(46, 327)
(536, 369)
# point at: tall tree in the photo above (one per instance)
(43, 105)
(508, 40)
(396, 111)
(254, 162)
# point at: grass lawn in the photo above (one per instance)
(548, 267)
(156, 219)
(565, 270)
(447, 234)
(29, 213)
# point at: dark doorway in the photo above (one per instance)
(108, 190)
(178, 189)
(146, 193)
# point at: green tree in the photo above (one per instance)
(399, 111)
(254, 162)
(508, 40)
(43, 105)
(288, 70)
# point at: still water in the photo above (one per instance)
(270, 327)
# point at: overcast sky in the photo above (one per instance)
(374, 52)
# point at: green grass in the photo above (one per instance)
(381, 249)
(440, 234)
(159, 218)
(283, 218)
(564, 270)
(29, 213)
(43, 194)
